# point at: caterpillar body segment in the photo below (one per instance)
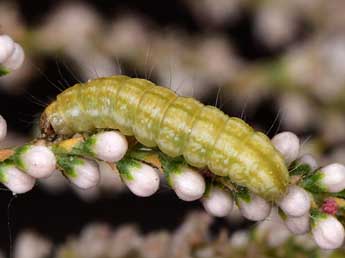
(156, 116)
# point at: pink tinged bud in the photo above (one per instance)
(6, 47)
(298, 225)
(328, 232)
(188, 184)
(288, 145)
(86, 174)
(296, 201)
(3, 128)
(143, 181)
(16, 59)
(218, 203)
(330, 206)
(110, 146)
(333, 177)
(255, 208)
(16, 180)
(38, 161)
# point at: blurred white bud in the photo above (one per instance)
(298, 225)
(240, 239)
(110, 146)
(16, 180)
(309, 160)
(16, 59)
(218, 202)
(3, 128)
(31, 245)
(6, 47)
(86, 174)
(256, 208)
(288, 145)
(144, 180)
(332, 177)
(188, 184)
(328, 232)
(38, 161)
(296, 202)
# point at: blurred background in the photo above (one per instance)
(277, 64)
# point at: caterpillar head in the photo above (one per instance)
(46, 127)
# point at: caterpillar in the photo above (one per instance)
(178, 126)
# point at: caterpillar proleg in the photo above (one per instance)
(178, 126)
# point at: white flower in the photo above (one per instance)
(333, 177)
(218, 202)
(240, 239)
(16, 59)
(144, 180)
(38, 161)
(3, 128)
(110, 146)
(16, 180)
(296, 202)
(298, 225)
(328, 232)
(85, 174)
(188, 184)
(309, 160)
(6, 47)
(255, 208)
(288, 145)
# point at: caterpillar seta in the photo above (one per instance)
(179, 126)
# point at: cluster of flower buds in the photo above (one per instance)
(11, 55)
(313, 200)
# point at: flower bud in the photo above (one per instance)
(188, 184)
(3, 128)
(288, 145)
(253, 207)
(296, 201)
(16, 59)
(81, 172)
(327, 231)
(6, 47)
(16, 180)
(141, 179)
(38, 161)
(218, 202)
(110, 146)
(298, 225)
(332, 178)
(309, 160)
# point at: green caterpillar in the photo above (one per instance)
(156, 116)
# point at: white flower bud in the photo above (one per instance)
(240, 239)
(288, 145)
(144, 180)
(256, 208)
(110, 146)
(218, 202)
(296, 202)
(6, 47)
(16, 180)
(3, 128)
(309, 160)
(38, 161)
(333, 177)
(328, 232)
(188, 184)
(16, 59)
(85, 174)
(298, 225)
